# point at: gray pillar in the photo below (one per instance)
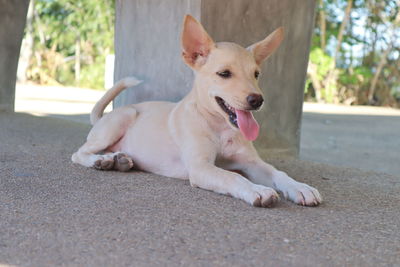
(147, 45)
(12, 23)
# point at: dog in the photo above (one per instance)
(207, 136)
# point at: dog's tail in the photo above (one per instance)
(97, 111)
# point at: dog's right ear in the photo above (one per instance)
(196, 43)
(263, 49)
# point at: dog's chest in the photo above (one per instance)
(230, 143)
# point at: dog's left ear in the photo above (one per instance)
(263, 49)
(196, 43)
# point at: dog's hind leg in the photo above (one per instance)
(104, 134)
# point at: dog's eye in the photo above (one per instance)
(225, 74)
(256, 74)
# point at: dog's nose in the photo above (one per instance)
(255, 100)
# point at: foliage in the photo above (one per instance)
(360, 67)
(323, 60)
(71, 41)
(324, 64)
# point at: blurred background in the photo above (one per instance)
(67, 42)
(354, 56)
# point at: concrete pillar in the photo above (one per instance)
(147, 44)
(12, 23)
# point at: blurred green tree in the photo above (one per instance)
(354, 52)
(71, 41)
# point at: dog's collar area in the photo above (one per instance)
(228, 110)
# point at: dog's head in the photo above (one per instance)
(228, 73)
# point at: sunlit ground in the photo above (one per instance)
(69, 102)
(352, 136)
(349, 110)
(363, 137)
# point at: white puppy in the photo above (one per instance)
(206, 137)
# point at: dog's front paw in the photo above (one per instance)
(261, 196)
(302, 194)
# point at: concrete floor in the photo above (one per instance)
(55, 213)
(366, 138)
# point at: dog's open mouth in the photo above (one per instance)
(242, 119)
(228, 110)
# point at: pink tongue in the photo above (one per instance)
(247, 124)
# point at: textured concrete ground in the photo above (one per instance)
(352, 136)
(54, 213)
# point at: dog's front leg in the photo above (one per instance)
(300, 193)
(204, 174)
(210, 177)
(263, 173)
